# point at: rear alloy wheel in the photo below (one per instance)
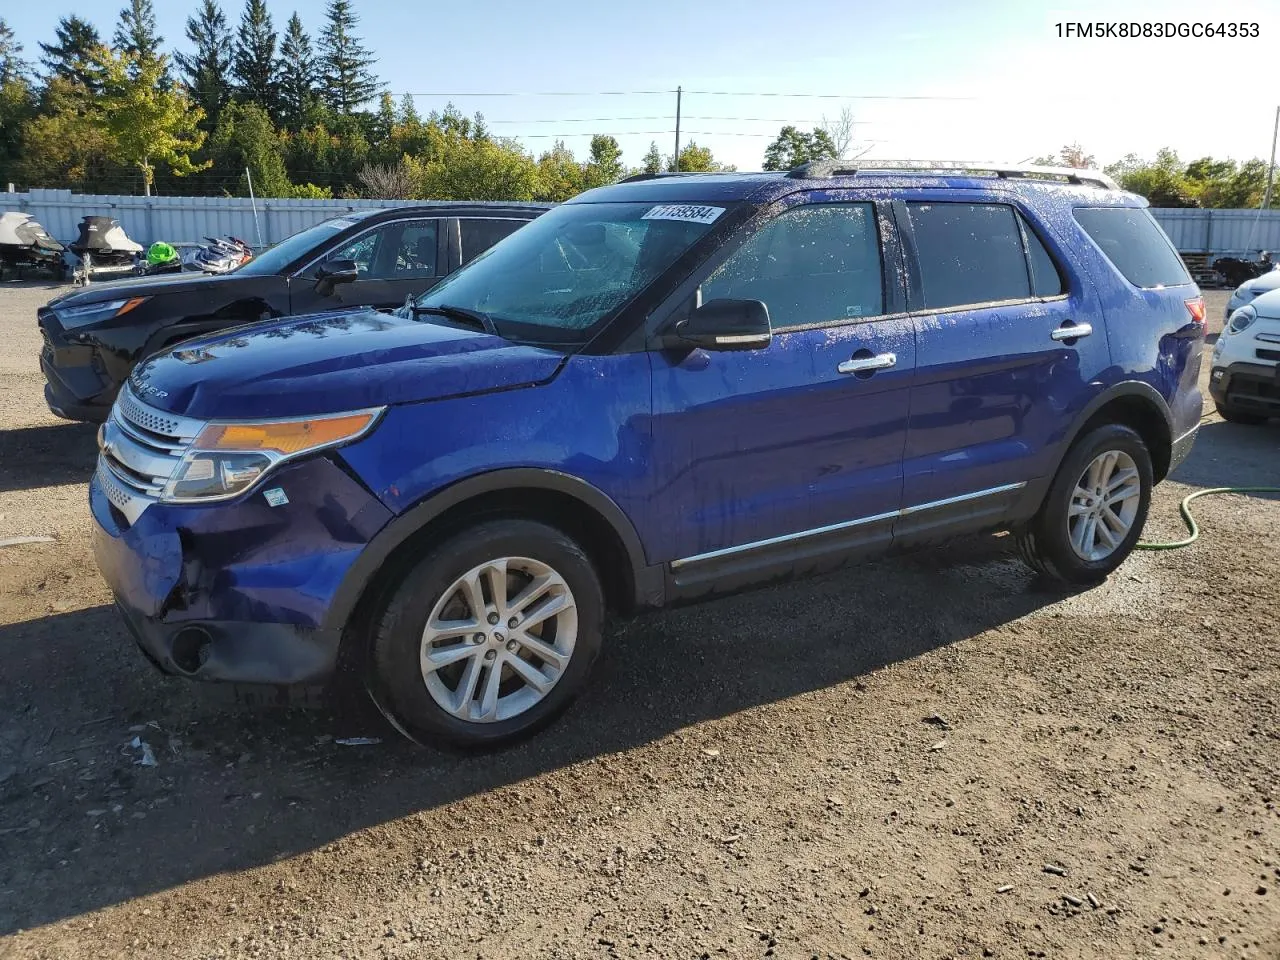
(1095, 509)
(489, 636)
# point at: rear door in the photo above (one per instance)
(395, 259)
(774, 457)
(1008, 344)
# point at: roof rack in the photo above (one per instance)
(825, 169)
(654, 176)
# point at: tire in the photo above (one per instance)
(1239, 416)
(1046, 543)
(428, 704)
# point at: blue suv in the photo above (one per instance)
(663, 390)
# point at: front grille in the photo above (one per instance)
(139, 449)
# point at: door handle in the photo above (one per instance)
(881, 361)
(1071, 331)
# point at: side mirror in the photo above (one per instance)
(333, 272)
(724, 325)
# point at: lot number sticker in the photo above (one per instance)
(692, 213)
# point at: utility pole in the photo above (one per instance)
(675, 160)
(1271, 167)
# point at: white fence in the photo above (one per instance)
(182, 219)
(188, 219)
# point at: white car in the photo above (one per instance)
(1248, 291)
(1245, 378)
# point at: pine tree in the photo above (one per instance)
(297, 74)
(408, 111)
(208, 67)
(69, 57)
(12, 66)
(346, 80)
(136, 31)
(253, 64)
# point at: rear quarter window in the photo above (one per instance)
(1134, 243)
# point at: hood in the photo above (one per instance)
(1268, 302)
(1260, 285)
(330, 362)
(100, 291)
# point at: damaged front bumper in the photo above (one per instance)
(237, 592)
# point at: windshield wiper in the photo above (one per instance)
(470, 317)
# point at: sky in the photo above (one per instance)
(931, 80)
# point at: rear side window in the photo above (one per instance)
(1134, 243)
(479, 235)
(969, 253)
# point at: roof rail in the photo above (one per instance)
(654, 176)
(824, 169)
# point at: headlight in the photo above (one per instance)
(1241, 320)
(93, 312)
(227, 459)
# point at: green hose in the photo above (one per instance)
(1185, 509)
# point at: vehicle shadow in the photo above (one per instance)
(239, 788)
(1233, 455)
(47, 456)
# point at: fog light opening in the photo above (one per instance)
(190, 649)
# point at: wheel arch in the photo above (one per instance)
(1137, 405)
(561, 500)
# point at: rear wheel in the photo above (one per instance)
(1232, 415)
(489, 636)
(1095, 509)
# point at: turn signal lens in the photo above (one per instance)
(1195, 307)
(287, 437)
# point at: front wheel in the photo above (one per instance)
(1095, 509)
(489, 637)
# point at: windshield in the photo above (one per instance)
(575, 266)
(274, 259)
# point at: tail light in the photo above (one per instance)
(1195, 307)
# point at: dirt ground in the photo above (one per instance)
(929, 757)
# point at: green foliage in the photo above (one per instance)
(146, 120)
(605, 163)
(17, 108)
(346, 80)
(207, 68)
(245, 138)
(1168, 182)
(696, 159)
(68, 57)
(66, 144)
(466, 169)
(559, 175)
(309, 191)
(298, 78)
(253, 64)
(12, 66)
(136, 31)
(793, 147)
(652, 162)
(1072, 155)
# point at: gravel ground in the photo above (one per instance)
(929, 757)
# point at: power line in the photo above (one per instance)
(669, 93)
(659, 117)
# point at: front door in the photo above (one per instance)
(394, 260)
(788, 456)
(1007, 347)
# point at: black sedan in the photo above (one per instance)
(94, 337)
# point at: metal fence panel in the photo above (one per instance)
(188, 219)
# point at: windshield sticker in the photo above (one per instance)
(692, 213)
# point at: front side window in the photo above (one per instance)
(815, 264)
(969, 253)
(401, 250)
(574, 267)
